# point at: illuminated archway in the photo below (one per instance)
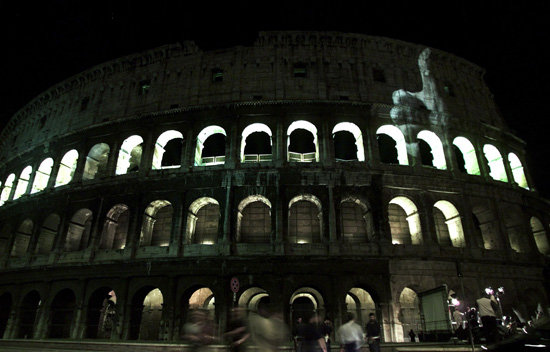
(486, 226)
(42, 175)
(23, 182)
(78, 233)
(27, 315)
(261, 150)
(47, 235)
(304, 302)
(202, 138)
(436, 148)
(450, 226)
(160, 161)
(96, 161)
(355, 221)
(356, 132)
(146, 314)
(129, 155)
(299, 148)
(254, 220)
(6, 191)
(250, 298)
(203, 220)
(359, 302)
(404, 221)
(409, 313)
(115, 228)
(307, 229)
(101, 314)
(157, 224)
(397, 136)
(539, 233)
(517, 171)
(66, 168)
(468, 154)
(22, 238)
(495, 162)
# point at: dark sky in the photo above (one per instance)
(46, 42)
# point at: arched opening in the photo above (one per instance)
(115, 228)
(256, 143)
(22, 239)
(146, 314)
(448, 224)
(6, 191)
(47, 234)
(5, 309)
(27, 315)
(67, 168)
(168, 149)
(198, 309)
(512, 216)
(348, 142)
(305, 302)
(254, 220)
(129, 155)
(356, 221)
(302, 144)
(203, 221)
(23, 182)
(210, 148)
(391, 141)
(433, 155)
(305, 216)
(251, 297)
(156, 228)
(360, 303)
(62, 314)
(101, 315)
(96, 162)
(485, 227)
(404, 221)
(78, 233)
(42, 175)
(495, 163)
(517, 171)
(539, 233)
(467, 159)
(409, 314)
(4, 238)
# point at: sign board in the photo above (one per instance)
(235, 285)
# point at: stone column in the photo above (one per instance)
(43, 314)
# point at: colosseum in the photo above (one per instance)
(322, 171)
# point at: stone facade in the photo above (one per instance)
(138, 189)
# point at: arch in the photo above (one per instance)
(513, 218)
(450, 225)
(355, 221)
(115, 228)
(468, 151)
(202, 138)
(22, 238)
(357, 135)
(298, 149)
(23, 182)
(172, 159)
(306, 301)
(203, 221)
(27, 315)
(359, 302)
(48, 232)
(517, 171)
(495, 163)
(400, 145)
(305, 217)
(6, 191)
(42, 175)
(6, 302)
(539, 234)
(250, 298)
(101, 313)
(78, 233)
(67, 168)
(96, 161)
(258, 148)
(61, 314)
(197, 307)
(146, 314)
(409, 312)
(436, 147)
(404, 221)
(129, 155)
(254, 220)
(156, 228)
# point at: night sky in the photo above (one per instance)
(44, 43)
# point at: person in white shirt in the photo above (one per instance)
(350, 335)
